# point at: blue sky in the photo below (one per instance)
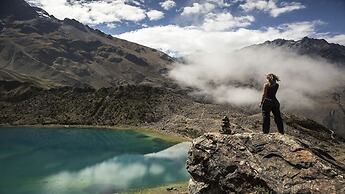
(331, 12)
(239, 23)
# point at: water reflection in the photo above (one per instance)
(123, 172)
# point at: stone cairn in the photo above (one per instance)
(225, 126)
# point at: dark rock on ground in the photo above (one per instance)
(134, 59)
(259, 163)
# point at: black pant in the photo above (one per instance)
(267, 107)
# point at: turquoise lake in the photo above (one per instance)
(83, 161)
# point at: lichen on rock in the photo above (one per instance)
(260, 163)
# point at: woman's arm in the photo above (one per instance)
(264, 93)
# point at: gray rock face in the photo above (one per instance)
(259, 163)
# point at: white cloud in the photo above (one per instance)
(155, 15)
(212, 15)
(168, 4)
(216, 71)
(225, 21)
(338, 39)
(197, 8)
(220, 3)
(237, 77)
(93, 12)
(271, 6)
(188, 40)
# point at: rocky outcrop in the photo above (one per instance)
(259, 163)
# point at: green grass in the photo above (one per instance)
(164, 189)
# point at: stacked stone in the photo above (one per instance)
(225, 128)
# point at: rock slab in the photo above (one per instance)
(259, 163)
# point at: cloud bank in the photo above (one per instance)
(193, 39)
(237, 77)
(215, 67)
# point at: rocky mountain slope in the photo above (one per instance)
(70, 53)
(143, 105)
(130, 104)
(259, 163)
(8, 75)
(334, 53)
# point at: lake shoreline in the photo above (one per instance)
(74, 159)
(147, 130)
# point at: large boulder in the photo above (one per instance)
(259, 163)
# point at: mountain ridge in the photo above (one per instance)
(334, 53)
(70, 53)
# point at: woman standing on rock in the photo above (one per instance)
(270, 103)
